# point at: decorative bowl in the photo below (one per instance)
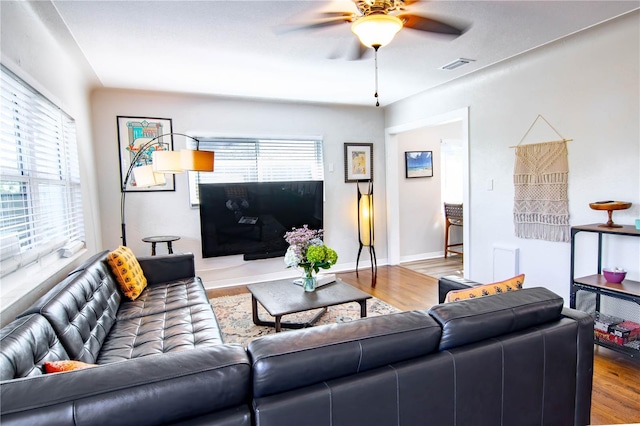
(614, 275)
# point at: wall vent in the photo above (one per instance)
(457, 63)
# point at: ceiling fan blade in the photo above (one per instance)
(313, 25)
(423, 23)
(346, 15)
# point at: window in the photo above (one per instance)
(258, 160)
(40, 199)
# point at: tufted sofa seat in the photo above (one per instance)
(161, 353)
(96, 324)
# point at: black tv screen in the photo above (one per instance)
(251, 218)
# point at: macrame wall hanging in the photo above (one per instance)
(541, 180)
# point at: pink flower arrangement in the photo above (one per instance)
(307, 250)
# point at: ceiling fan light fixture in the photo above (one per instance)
(376, 30)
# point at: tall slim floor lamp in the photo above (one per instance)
(170, 162)
(365, 228)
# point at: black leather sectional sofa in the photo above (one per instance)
(517, 358)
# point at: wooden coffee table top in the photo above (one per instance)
(284, 297)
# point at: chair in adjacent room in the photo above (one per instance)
(453, 217)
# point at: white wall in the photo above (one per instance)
(421, 219)
(169, 212)
(587, 86)
(37, 48)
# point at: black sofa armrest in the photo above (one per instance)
(156, 389)
(584, 373)
(165, 268)
(452, 282)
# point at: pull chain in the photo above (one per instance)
(376, 58)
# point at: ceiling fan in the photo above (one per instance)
(376, 22)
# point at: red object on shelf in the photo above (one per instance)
(627, 329)
(610, 337)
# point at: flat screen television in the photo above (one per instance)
(251, 218)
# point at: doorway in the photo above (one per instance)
(399, 219)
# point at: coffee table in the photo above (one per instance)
(283, 297)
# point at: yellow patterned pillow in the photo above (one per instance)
(511, 284)
(128, 272)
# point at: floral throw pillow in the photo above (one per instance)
(511, 284)
(127, 271)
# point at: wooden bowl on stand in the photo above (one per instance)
(610, 206)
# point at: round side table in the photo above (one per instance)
(161, 239)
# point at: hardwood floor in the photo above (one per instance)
(616, 378)
(438, 267)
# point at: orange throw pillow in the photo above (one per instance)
(60, 366)
(511, 284)
(128, 272)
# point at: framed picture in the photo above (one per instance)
(358, 162)
(133, 133)
(418, 164)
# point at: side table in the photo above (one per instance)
(161, 239)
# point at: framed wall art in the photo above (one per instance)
(133, 133)
(418, 164)
(358, 162)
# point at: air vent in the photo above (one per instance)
(456, 64)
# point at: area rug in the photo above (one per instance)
(236, 324)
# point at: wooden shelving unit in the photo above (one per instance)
(627, 290)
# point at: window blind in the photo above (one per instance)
(40, 197)
(258, 160)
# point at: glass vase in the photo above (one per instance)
(309, 281)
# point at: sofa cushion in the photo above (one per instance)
(127, 271)
(82, 315)
(177, 330)
(167, 268)
(472, 320)
(154, 390)
(286, 361)
(26, 344)
(164, 297)
(65, 365)
(514, 283)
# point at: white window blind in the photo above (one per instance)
(40, 199)
(258, 160)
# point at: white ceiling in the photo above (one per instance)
(239, 48)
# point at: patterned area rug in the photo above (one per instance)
(236, 324)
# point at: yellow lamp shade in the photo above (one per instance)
(200, 161)
(365, 213)
(145, 176)
(376, 30)
(167, 162)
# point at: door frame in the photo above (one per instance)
(393, 173)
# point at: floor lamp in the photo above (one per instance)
(365, 228)
(170, 162)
